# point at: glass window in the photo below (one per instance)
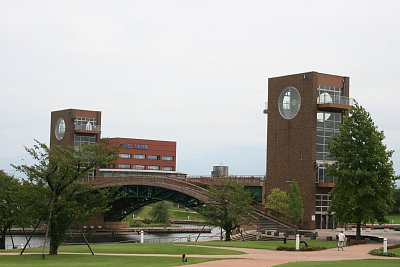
(168, 168)
(89, 124)
(153, 167)
(138, 167)
(153, 157)
(124, 156)
(167, 158)
(138, 156)
(79, 140)
(124, 166)
(322, 203)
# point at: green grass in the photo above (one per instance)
(348, 263)
(270, 245)
(393, 218)
(98, 261)
(146, 248)
(177, 213)
(395, 251)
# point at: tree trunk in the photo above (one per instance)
(3, 239)
(358, 231)
(228, 232)
(53, 246)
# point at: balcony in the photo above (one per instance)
(334, 103)
(266, 108)
(87, 128)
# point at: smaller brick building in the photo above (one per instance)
(141, 156)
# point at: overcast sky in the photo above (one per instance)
(194, 72)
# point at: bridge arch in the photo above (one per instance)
(138, 191)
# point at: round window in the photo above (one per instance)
(60, 129)
(289, 102)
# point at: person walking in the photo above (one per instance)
(342, 239)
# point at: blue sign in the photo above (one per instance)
(144, 147)
(129, 146)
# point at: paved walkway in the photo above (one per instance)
(264, 258)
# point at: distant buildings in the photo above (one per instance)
(74, 127)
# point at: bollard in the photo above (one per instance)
(385, 245)
(141, 237)
(297, 242)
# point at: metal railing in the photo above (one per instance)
(87, 127)
(329, 99)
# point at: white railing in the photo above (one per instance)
(88, 127)
(329, 99)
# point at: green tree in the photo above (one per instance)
(18, 201)
(278, 201)
(9, 203)
(59, 170)
(364, 171)
(229, 205)
(295, 203)
(160, 212)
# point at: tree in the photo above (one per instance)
(295, 201)
(17, 204)
(229, 205)
(160, 212)
(58, 170)
(364, 171)
(278, 201)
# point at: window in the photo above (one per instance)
(322, 203)
(138, 167)
(89, 124)
(138, 156)
(153, 167)
(153, 157)
(322, 177)
(168, 168)
(124, 166)
(125, 156)
(79, 140)
(288, 179)
(167, 158)
(328, 124)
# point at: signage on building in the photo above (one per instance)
(129, 146)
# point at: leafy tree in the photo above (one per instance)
(278, 201)
(58, 170)
(364, 171)
(18, 201)
(229, 205)
(295, 201)
(160, 212)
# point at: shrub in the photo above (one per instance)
(393, 246)
(356, 242)
(285, 248)
(379, 252)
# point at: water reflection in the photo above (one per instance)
(37, 241)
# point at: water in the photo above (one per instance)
(37, 241)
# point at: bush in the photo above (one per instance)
(379, 252)
(393, 246)
(285, 248)
(356, 242)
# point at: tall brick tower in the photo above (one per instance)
(304, 112)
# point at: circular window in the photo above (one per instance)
(289, 102)
(60, 129)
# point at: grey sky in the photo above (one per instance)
(190, 71)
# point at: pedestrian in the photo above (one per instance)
(342, 239)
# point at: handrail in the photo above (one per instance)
(329, 99)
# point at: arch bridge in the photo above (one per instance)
(133, 192)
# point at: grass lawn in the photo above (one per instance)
(393, 218)
(270, 245)
(146, 248)
(177, 213)
(351, 263)
(395, 251)
(98, 261)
